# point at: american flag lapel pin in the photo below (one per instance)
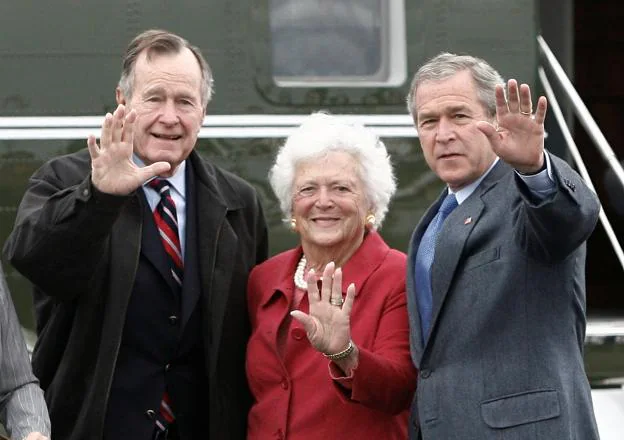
(468, 220)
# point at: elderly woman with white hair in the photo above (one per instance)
(341, 368)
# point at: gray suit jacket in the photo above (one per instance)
(504, 359)
(22, 407)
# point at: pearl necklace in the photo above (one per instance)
(298, 277)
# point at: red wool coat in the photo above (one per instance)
(296, 396)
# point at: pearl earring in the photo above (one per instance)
(293, 224)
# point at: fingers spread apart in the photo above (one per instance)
(518, 101)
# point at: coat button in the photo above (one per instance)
(284, 384)
(173, 320)
(151, 414)
(85, 192)
(298, 334)
(425, 373)
(167, 367)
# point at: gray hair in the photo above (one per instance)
(322, 133)
(445, 65)
(161, 42)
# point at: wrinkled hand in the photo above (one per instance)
(36, 436)
(112, 168)
(519, 138)
(327, 326)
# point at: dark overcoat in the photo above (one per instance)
(80, 248)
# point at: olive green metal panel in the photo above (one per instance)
(64, 57)
(604, 360)
(502, 32)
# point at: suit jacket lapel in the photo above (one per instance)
(451, 241)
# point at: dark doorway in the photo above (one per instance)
(598, 77)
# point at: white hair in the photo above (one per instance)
(322, 133)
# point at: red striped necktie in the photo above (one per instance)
(166, 218)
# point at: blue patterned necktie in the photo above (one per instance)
(424, 259)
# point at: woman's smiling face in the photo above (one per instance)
(329, 201)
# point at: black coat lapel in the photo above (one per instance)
(191, 290)
(125, 245)
(216, 247)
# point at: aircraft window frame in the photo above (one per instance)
(330, 95)
(392, 67)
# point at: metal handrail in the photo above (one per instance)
(580, 109)
(576, 155)
(590, 125)
(213, 126)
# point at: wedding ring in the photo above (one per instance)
(526, 113)
(336, 302)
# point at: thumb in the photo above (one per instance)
(154, 170)
(305, 320)
(487, 128)
(493, 135)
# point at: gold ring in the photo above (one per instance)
(526, 113)
(336, 302)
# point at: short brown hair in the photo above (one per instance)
(161, 42)
(445, 65)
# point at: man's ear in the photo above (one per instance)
(121, 99)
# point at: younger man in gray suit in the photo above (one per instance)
(496, 269)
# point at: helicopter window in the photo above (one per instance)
(337, 42)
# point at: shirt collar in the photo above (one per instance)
(177, 181)
(466, 191)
